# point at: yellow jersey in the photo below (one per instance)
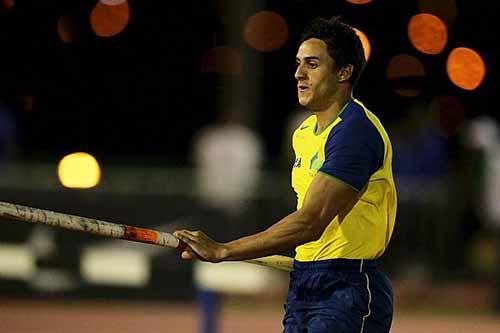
(355, 149)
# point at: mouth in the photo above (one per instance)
(302, 88)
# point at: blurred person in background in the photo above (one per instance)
(228, 156)
(483, 135)
(482, 143)
(421, 169)
(346, 197)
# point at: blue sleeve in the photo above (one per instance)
(353, 152)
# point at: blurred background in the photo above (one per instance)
(174, 115)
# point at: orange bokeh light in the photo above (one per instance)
(359, 2)
(266, 31)
(66, 29)
(109, 20)
(404, 66)
(427, 33)
(221, 60)
(112, 2)
(7, 4)
(366, 43)
(465, 68)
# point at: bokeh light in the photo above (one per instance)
(66, 29)
(444, 9)
(7, 4)
(79, 170)
(449, 114)
(109, 20)
(427, 33)
(359, 2)
(266, 31)
(465, 68)
(366, 43)
(221, 60)
(112, 2)
(406, 72)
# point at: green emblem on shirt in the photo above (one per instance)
(316, 163)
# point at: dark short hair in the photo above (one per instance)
(343, 44)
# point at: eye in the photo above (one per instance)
(312, 65)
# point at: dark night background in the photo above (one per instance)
(141, 93)
(137, 100)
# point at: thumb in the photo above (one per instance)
(187, 255)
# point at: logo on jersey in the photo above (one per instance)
(316, 162)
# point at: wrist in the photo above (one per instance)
(224, 252)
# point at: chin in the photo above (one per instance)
(304, 101)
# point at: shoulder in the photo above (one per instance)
(357, 122)
(357, 136)
(355, 148)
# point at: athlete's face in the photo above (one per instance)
(315, 74)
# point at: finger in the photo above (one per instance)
(185, 234)
(190, 254)
(184, 231)
(194, 249)
(182, 237)
(177, 233)
(186, 255)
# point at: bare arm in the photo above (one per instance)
(325, 198)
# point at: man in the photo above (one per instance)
(346, 197)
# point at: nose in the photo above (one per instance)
(299, 73)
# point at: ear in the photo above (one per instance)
(345, 73)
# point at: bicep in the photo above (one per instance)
(326, 197)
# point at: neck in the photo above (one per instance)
(327, 116)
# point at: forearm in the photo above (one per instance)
(293, 230)
(325, 197)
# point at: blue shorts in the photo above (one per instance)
(338, 295)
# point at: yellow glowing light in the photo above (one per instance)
(79, 170)
(109, 20)
(465, 68)
(365, 41)
(427, 33)
(266, 31)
